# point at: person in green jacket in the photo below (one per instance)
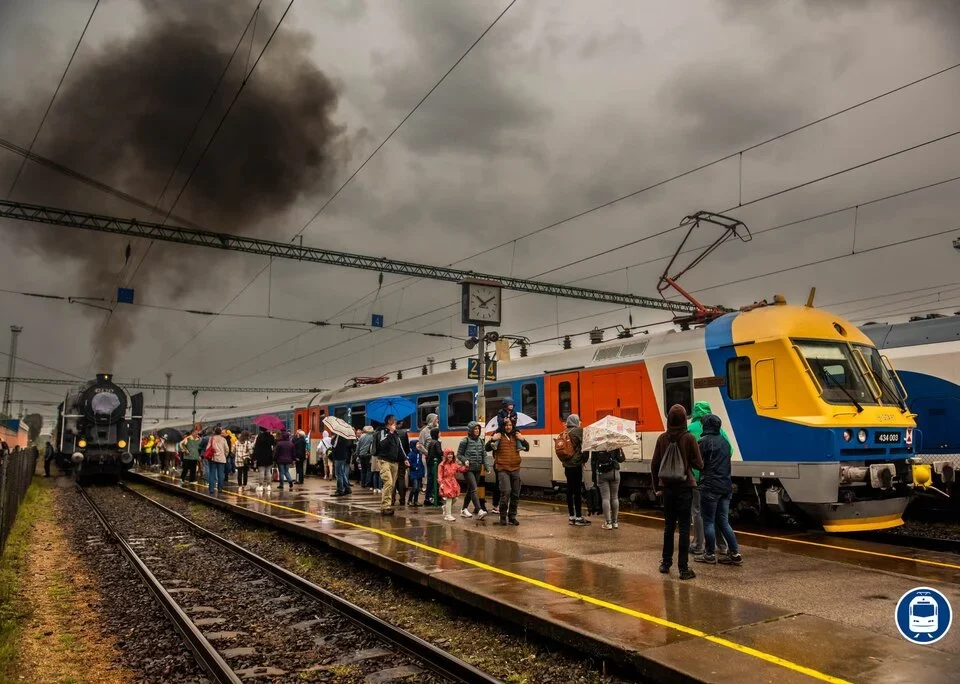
(700, 410)
(191, 457)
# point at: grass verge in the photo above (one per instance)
(14, 612)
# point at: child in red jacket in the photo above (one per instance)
(449, 487)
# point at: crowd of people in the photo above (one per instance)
(691, 466)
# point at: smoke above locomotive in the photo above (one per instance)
(126, 113)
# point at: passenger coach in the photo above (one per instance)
(817, 417)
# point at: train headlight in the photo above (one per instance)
(82, 443)
(122, 443)
(862, 436)
(847, 435)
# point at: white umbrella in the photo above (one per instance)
(340, 427)
(609, 433)
(522, 420)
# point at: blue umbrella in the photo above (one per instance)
(400, 408)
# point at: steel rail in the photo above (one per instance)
(436, 658)
(204, 652)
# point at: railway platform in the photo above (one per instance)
(802, 607)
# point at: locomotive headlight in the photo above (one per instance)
(82, 443)
(847, 435)
(122, 443)
(862, 436)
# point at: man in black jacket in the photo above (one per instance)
(300, 454)
(389, 453)
(716, 488)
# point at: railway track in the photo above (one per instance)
(243, 617)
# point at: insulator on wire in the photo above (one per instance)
(624, 333)
(453, 364)
(596, 336)
(524, 348)
(423, 369)
(399, 375)
(567, 344)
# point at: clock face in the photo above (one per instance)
(483, 305)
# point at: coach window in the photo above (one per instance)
(678, 386)
(358, 416)
(459, 409)
(495, 397)
(341, 412)
(739, 379)
(529, 400)
(425, 406)
(565, 400)
(299, 421)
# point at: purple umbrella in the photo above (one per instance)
(269, 423)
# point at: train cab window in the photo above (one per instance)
(341, 412)
(678, 386)
(495, 397)
(529, 400)
(739, 379)
(300, 421)
(564, 400)
(425, 406)
(358, 416)
(459, 409)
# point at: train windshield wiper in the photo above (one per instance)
(843, 389)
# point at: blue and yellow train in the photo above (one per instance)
(817, 417)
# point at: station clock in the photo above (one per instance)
(481, 303)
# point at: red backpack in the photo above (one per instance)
(564, 446)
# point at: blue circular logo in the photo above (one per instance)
(923, 615)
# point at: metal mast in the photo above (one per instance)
(15, 331)
(166, 403)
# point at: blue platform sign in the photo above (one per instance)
(125, 295)
(471, 331)
(376, 320)
(923, 616)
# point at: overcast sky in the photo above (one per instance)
(561, 107)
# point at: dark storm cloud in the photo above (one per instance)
(124, 115)
(720, 106)
(479, 111)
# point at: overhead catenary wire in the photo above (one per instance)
(405, 119)
(706, 165)
(390, 135)
(53, 98)
(719, 160)
(196, 127)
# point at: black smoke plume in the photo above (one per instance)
(124, 117)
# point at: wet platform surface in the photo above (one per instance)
(801, 608)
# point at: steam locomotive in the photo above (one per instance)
(97, 425)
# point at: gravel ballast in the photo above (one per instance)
(502, 650)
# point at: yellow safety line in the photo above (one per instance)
(720, 641)
(796, 541)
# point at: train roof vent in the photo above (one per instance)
(634, 348)
(621, 351)
(608, 353)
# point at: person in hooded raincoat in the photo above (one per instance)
(716, 488)
(470, 453)
(505, 412)
(701, 409)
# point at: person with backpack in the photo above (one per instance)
(701, 409)
(470, 453)
(675, 454)
(365, 455)
(605, 466)
(568, 445)
(716, 488)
